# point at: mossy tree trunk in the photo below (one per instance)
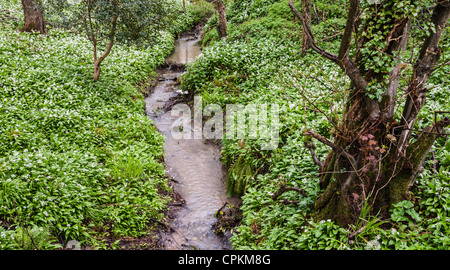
(373, 158)
(33, 16)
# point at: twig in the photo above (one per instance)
(175, 204)
(220, 209)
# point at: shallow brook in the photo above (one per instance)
(194, 164)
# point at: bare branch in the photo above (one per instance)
(349, 27)
(337, 149)
(352, 236)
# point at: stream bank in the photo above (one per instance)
(193, 164)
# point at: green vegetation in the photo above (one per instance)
(79, 160)
(260, 62)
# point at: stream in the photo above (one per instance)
(194, 165)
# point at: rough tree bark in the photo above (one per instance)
(306, 8)
(33, 16)
(373, 159)
(222, 27)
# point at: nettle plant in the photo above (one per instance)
(105, 22)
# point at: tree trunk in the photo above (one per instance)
(222, 28)
(372, 160)
(34, 16)
(307, 13)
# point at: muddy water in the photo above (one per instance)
(194, 165)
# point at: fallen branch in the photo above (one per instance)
(339, 150)
(308, 32)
